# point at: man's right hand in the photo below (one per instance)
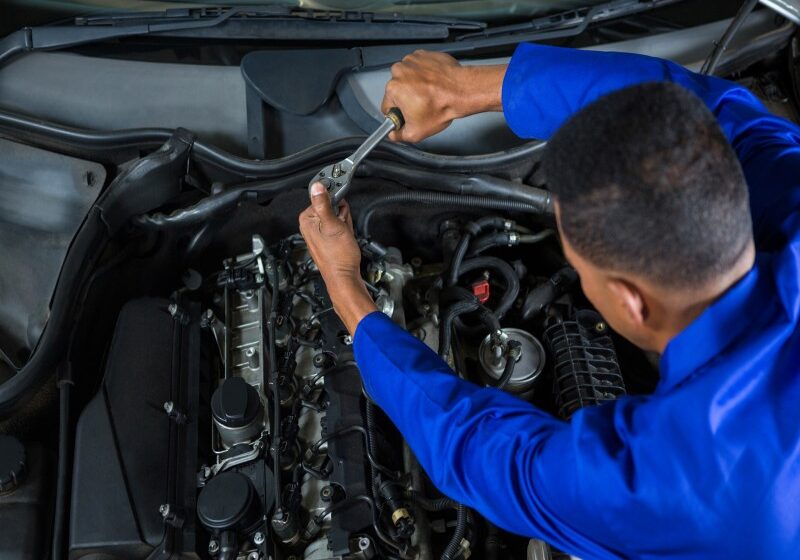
(432, 89)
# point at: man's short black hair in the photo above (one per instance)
(647, 183)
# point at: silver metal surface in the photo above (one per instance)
(242, 434)
(242, 342)
(337, 176)
(790, 9)
(529, 364)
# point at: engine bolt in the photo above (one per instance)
(169, 406)
(213, 547)
(258, 538)
(600, 327)
(163, 509)
(364, 543)
(326, 493)
(253, 556)
(319, 360)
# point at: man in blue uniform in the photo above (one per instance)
(651, 167)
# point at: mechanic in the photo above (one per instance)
(654, 213)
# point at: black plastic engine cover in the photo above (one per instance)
(131, 456)
(347, 451)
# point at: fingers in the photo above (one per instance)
(345, 215)
(321, 203)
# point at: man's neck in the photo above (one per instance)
(687, 309)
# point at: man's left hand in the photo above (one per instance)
(334, 248)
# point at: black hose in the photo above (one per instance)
(369, 410)
(214, 205)
(446, 328)
(505, 270)
(471, 230)
(466, 181)
(323, 152)
(544, 294)
(457, 301)
(712, 62)
(505, 239)
(272, 275)
(454, 548)
(441, 200)
(64, 463)
(434, 504)
(511, 362)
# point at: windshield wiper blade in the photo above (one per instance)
(187, 22)
(197, 18)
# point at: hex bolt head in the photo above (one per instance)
(364, 543)
(258, 538)
(163, 509)
(169, 406)
(213, 546)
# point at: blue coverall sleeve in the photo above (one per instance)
(544, 86)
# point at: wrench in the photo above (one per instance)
(337, 176)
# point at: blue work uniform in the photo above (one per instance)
(708, 466)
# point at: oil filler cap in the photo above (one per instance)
(235, 403)
(12, 463)
(227, 501)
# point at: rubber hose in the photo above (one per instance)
(272, 275)
(434, 504)
(446, 328)
(454, 549)
(545, 294)
(369, 409)
(458, 183)
(255, 168)
(505, 239)
(505, 270)
(508, 370)
(441, 200)
(472, 229)
(63, 476)
(216, 204)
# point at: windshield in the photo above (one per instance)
(483, 10)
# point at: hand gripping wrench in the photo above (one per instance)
(338, 176)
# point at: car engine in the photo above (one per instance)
(165, 334)
(275, 449)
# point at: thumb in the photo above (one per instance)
(321, 201)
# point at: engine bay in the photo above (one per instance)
(165, 333)
(274, 447)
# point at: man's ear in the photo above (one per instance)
(631, 299)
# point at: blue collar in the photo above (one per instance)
(718, 326)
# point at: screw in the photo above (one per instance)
(258, 538)
(253, 556)
(364, 543)
(169, 406)
(326, 493)
(172, 309)
(600, 327)
(163, 509)
(347, 340)
(213, 547)
(250, 352)
(319, 360)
